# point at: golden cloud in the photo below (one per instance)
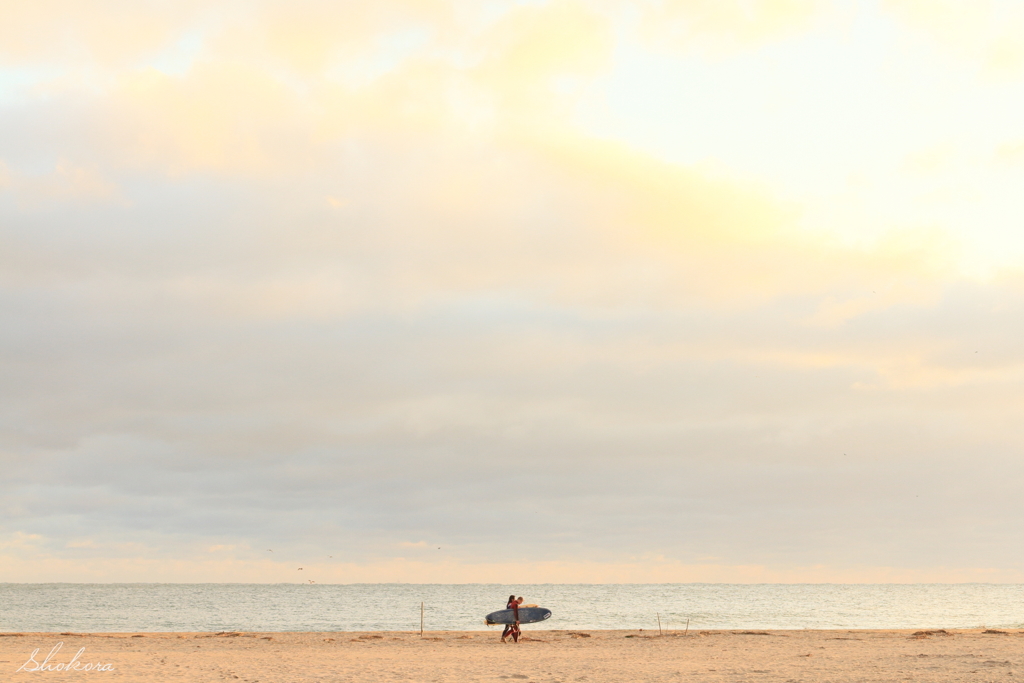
(532, 44)
(221, 117)
(717, 26)
(985, 32)
(109, 32)
(521, 204)
(312, 36)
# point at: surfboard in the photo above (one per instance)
(527, 615)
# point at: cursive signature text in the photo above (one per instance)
(73, 665)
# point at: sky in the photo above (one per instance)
(460, 291)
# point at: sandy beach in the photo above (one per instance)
(554, 656)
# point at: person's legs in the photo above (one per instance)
(504, 634)
(515, 633)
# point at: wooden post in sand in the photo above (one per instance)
(687, 627)
(659, 624)
(421, 620)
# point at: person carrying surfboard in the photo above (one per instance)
(513, 628)
(515, 614)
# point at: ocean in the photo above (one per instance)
(450, 607)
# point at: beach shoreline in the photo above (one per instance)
(590, 656)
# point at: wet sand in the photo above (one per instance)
(548, 656)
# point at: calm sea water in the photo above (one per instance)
(386, 607)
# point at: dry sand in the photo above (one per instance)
(555, 656)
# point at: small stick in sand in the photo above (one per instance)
(421, 620)
(659, 624)
(687, 627)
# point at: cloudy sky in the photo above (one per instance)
(567, 291)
